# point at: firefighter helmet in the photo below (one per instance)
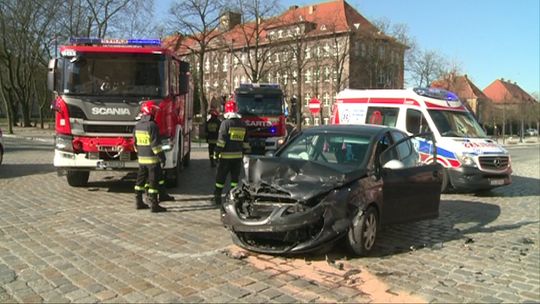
(231, 107)
(149, 108)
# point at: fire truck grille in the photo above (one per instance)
(494, 162)
(108, 129)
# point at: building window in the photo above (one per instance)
(308, 52)
(207, 86)
(326, 50)
(326, 99)
(277, 57)
(225, 63)
(235, 60)
(225, 84)
(236, 81)
(278, 77)
(216, 64)
(243, 79)
(280, 34)
(308, 76)
(326, 74)
(243, 58)
(363, 50)
(307, 98)
(295, 77)
(207, 65)
(285, 78)
(381, 51)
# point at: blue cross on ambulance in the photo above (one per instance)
(471, 160)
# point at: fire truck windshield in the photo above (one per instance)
(114, 75)
(260, 105)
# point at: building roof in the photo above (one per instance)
(326, 18)
(501, 91)
(461, 85)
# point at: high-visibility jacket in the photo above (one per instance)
(212, 130)
(232, 139)
(147, 143)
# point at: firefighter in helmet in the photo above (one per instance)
(212, 129)
(230, 148)
(150, 156)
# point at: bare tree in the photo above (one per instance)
(198, 21)
(102, 11)
(427, 67)
(23, 53)
(253, 38)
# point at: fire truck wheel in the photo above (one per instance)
(78, 178)
(187, 158)
(173, 174)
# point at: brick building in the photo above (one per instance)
(311, 51)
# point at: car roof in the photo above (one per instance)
(366, 130)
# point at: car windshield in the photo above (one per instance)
(347, 151)
(260, 104)
(114, 75)
(456, 124)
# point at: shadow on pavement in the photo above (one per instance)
(472, 217)
(20, 170)
(520, 186)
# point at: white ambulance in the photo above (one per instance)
(472, 161)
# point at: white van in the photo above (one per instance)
(472, 161)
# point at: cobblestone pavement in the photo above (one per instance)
(64, 244)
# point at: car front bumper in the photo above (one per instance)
(473, 179)
(286, 233)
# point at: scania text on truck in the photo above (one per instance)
(99, 85)
(471, 160)
(263, 111)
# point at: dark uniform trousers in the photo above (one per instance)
(148, 178)
(226, 166)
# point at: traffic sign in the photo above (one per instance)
(314, 106)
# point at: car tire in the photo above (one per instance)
(363, 232)
(1, 154)
(78, 178)
(445, 181)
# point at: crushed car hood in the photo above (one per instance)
(296, 179)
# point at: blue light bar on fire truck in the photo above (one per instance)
(105, 41)
(436, 93)
(259, 85)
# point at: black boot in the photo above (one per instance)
(217, 197)
(154, 204)
(212, 163)
(139, 203)
(164, 196)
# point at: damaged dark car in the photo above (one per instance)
(333, 183)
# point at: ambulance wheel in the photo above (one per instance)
(78, 178)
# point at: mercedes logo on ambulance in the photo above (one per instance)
(497, 162)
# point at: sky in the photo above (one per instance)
(488, 39)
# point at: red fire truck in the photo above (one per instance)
(99, 85)
(263, 111)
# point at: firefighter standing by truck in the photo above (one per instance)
(231, 145)
(212, 131)
(150, 156)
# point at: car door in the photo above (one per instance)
(411, 188)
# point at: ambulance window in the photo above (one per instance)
(382, 116)
(416, 122)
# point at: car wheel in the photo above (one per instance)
(78, 178)
(1, 154)
(363, 232)
(445, 181)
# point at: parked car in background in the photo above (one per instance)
(331, 183)
(1, 147)
(531, 132)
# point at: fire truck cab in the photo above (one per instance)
(471, 160)
(99, 86)
(263, 111)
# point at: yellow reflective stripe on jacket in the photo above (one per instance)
(152, 190)
(157, 149)
(148, 160)
(237, 134)
(221, 143)
(143, 138)
(231, 155)
(139, 188)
